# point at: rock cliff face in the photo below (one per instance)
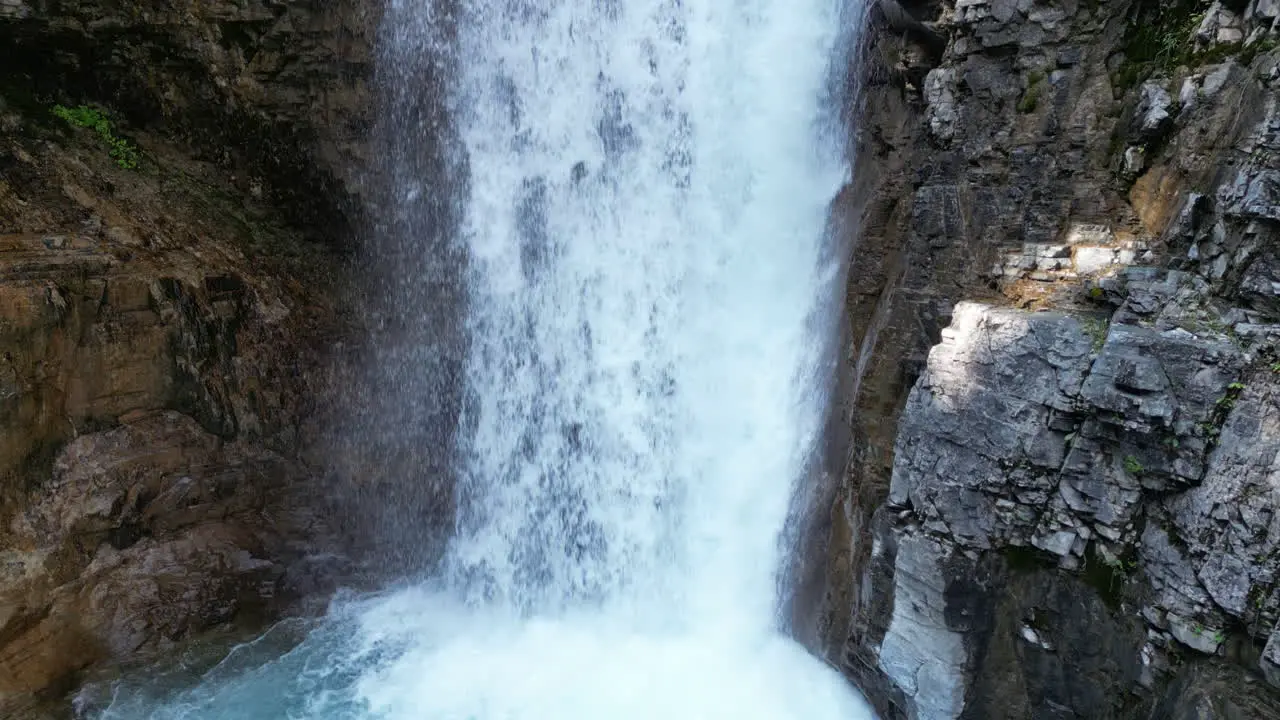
(1067, 508)
(169, 333)
(1062, 497)
(278, 93)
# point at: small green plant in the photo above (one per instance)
(1275, 367)
(1127, 564)
(1096, 329)
(1031, 98)
(1164, 33)
(1259, 47)
(1132, 466)
(1212, 427)
(121, 150)
(1217, 635)
(1106, 574)
(1228, 401)
(1161, 37)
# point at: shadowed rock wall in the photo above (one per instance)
(176, 339)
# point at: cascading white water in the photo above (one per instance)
(644, 224)
(647, 208)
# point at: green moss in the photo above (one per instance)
(1161, 37)
(1227, 402)
(1132, 466)
(121, 150)
(1261, 47)
(1031, 98)
(1257, 598)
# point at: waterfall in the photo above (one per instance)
(641, 192)
(645, 219)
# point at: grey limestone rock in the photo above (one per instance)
(1255, 193)
(920, 653)
(14, 9)
(1112, 439)
(1090, 444)
(1154, 112)
(940, 94)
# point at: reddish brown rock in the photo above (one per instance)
(162, 337)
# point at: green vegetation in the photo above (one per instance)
(1108, 577)
(1127, 564)
(1262, 46)
(1132, 466)
(1217, 636)
(1212, 428)
(1228, 401)
(1164, 33)
(1031, 98)
(122, 151)
(1161, 37)
(1096, 328)
(1257, 597)
(1211, 431)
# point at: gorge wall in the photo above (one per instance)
(1063, 389)
(173, 336)
(1061, 496)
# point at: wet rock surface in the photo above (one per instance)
(172, 341)
(1062, 392)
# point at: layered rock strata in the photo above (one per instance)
(175, 336)
(1064, 507)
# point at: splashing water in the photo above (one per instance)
(645, 199)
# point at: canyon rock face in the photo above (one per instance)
(1064, 389)
(1062, 496)
(170, 334)
(277, 93)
